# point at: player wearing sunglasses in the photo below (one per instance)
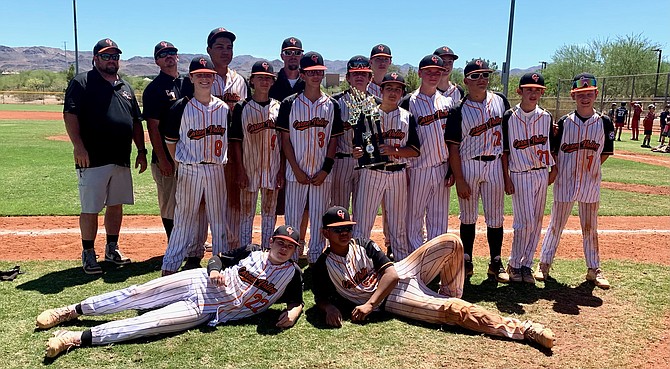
(288, 78)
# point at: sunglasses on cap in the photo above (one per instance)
(164, 54)
(584, 82)
(106, 57)
(476, 76)
(342, 229)
(359, 64)
(292, 52)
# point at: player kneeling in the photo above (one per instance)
(190, 298)
(355, 275)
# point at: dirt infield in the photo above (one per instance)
(31, 115)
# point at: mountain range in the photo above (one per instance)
(18, 59)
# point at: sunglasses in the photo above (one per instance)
(584, 82)
(106, 57)
(476, 76)
(342, 229)
(164, 54)
(312, 73)
(359, 65)
(292, 52)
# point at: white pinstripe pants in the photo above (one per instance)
(588, 218)
(528, 201)
(248, 200)
(319, 199)
(429, 199)
(345, 183)
(485, 178)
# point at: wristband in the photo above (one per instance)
(328, 165)
(142, 151)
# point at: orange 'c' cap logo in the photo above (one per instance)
(203, 62)
(315, 58)
(289, 230)
(479, 62)
(109, 42)
(340, 213)
(292, 41)
(535, 77)
(265, 65)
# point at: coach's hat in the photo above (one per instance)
(584, 82)
(533, 79)
(393, 77)
(477, 66)
(358, 63)
(651, 106)
(201, 64)
(163, 46)
(291, 43)
(219, 32)
(312, 61)
(380, 50)
(104, 45)
(431, 61)
(445, 51)
(288, 233)
(262, 67)
(336, 216)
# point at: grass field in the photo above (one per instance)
(31, 107)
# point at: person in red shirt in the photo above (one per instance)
(648, 124)
(635, 121)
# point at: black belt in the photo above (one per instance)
(392, 167)
(206, 163)
(524, 171)
(485, 157)
(341, 155)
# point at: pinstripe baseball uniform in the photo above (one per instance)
(526, 141)
(200, 133)
(345, 178)
(374, 89)
(256, 124)
(187, 299)
(428, 195)
(232, 90)
(310, 126)
(579, 145)
(351, 280)
(388, 185)
(455, 92)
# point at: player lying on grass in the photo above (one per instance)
(255, 278)
(354, 275)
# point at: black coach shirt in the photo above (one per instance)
(106, 114)
(159, 96)
(282, 89)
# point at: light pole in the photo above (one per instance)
(76, 44)
(658, 69)
(544, 64)
(506, 66)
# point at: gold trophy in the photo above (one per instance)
(365, 120)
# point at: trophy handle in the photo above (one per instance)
(379, 137)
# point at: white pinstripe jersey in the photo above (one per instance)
(310, 126)
(579, 146)
(231, 91)
(430, 113)
(345, 142)
(375, 89)
(252, 286)
(477, 127)
(256, 124)
(199, 131)
(399, 130)
(454, 92)
(527, 137)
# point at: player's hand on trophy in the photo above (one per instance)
(463, 189)
(357, 153)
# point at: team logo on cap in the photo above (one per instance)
(315, 58)
(394, 75)
(221, 29)
(535, 77)
(479, 62)
(289, 230)
(203, 62)
(109, 42)
(446, 49)
(340, 213)
(265, 65)
(292, 41)
(163, 43)
(380, 48)
(435, 59)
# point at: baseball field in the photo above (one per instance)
(627, 326)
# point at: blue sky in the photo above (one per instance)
(339, 29)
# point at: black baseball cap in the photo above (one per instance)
(380, 50)
(201, 64)
(533, 79)
(163, 45)
(584, 82)
(445, 51)
(291, 43)
(431, 61)
(219, 32)
(288, 233)
(358, 63)
(392, 77)
(104, 45)
(477, 66)
(336, 216)
(262, 67)
(312, 61)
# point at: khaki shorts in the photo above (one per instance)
(166, 188)
(107, 185)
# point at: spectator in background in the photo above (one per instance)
(648, 124)
(635, 121)
(664, 119)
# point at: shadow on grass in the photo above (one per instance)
(510, 298)
(55, 282)
(318, 319)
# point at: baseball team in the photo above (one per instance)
(219, 140)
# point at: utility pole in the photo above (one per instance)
(658, 70)
(506, 66)
(544, 64)
(65, 49)
(76, 43)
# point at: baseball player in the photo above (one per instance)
(353, 275)
(620, 116)
(446, 87)
(230, 87)
(239, 284)
(663, 120)
(527, 133)
(585, 139)
(428, 190)
(345, 179)
(648, 125)
(309, 124)
(635, 121)
(389, 184)
(197, 137)
(474, 135)
(380, 60)
(258, 154)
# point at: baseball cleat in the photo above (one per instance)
(114, 255)
(469, 269)
(527, 275)
(62, 341)
(596, 276)
(89, 261)
(514, 274)
(542, 272)
(53, 317)
(191, 263)
(497, 271)
(536, 332)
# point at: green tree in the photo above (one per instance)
(69, 75)
(412, 79)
